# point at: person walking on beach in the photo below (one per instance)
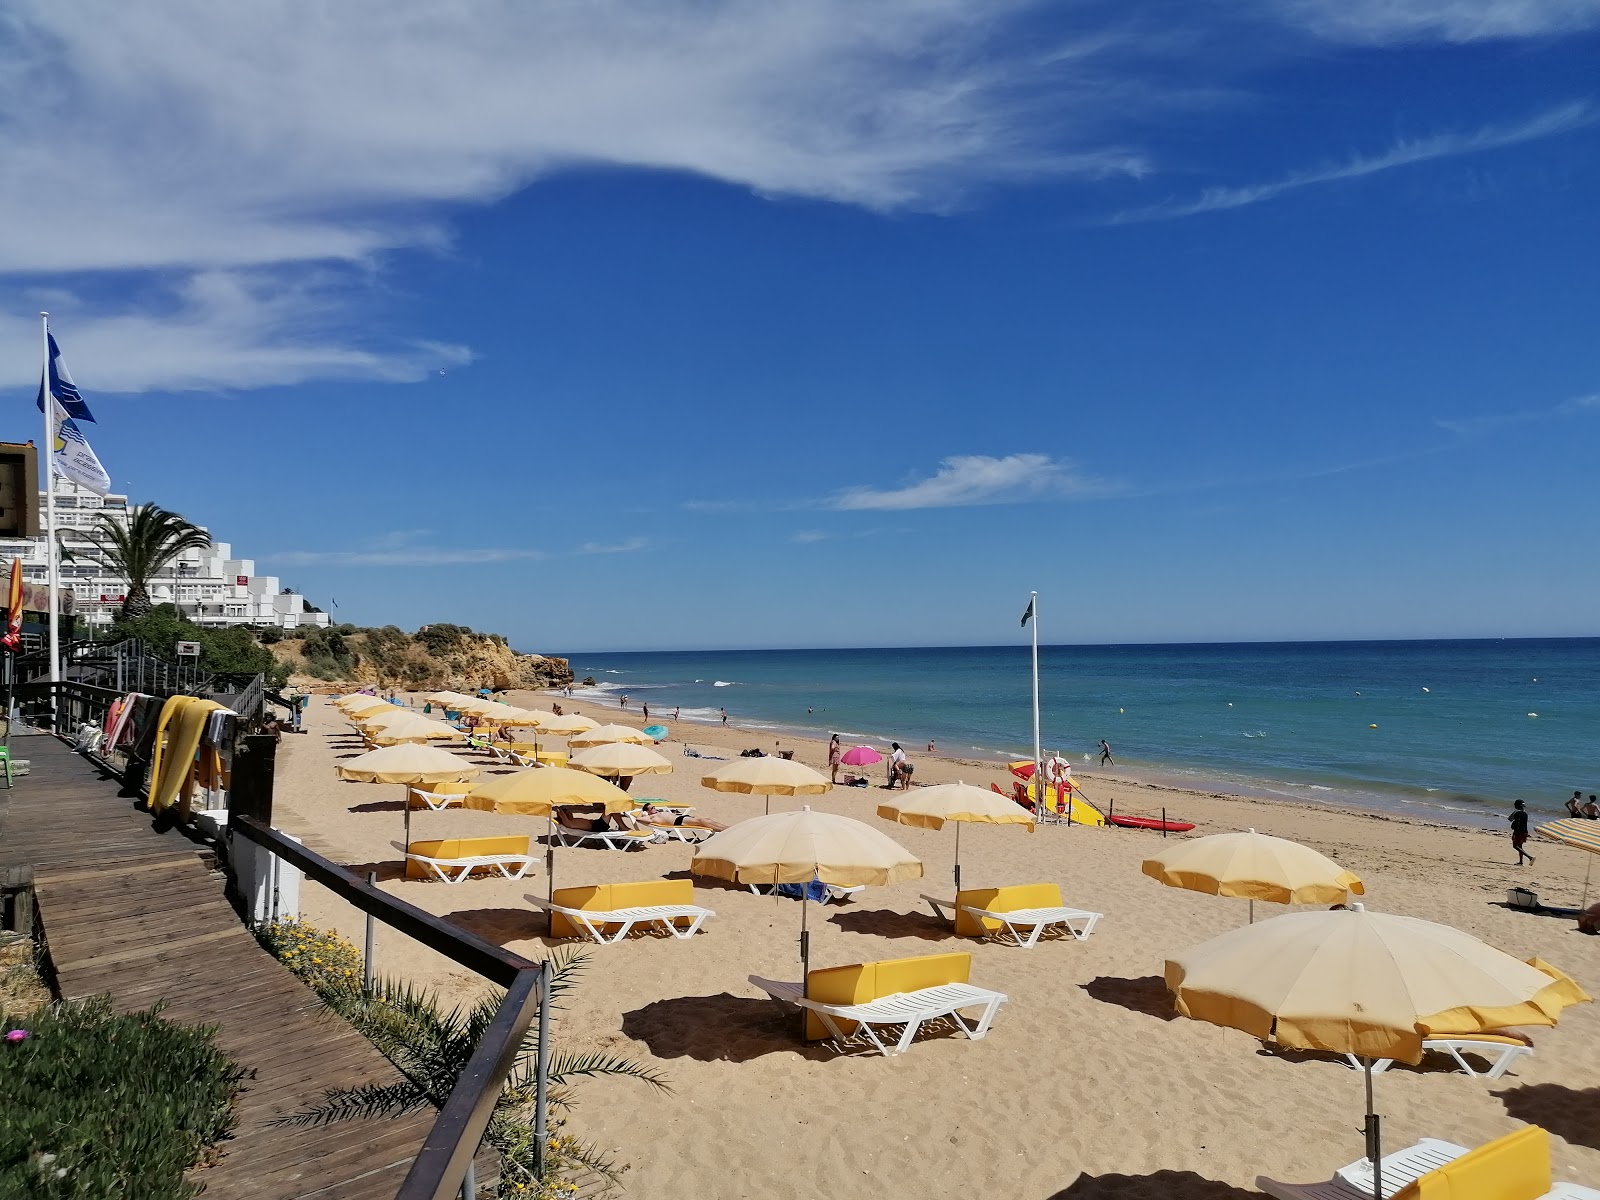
(835, 753)
(1105, 753)
(624, 699)
(1519, 831)
(646, 708)
(724, 713)
(676, 711)
(896, 757)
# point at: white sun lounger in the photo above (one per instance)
(665, 915)
(611, 839)
(454, 870)
(908, 1009)
(1354, 1182)
(1500, 1051)
(1079, 922)
(835, 893)
(436, 800)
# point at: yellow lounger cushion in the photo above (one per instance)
(1005, 899)
(1513, 1167)
(608, 897)
(860, 982)
(458, 848)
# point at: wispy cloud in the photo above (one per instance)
(974, 479)
(1385, 21)
(1489, 422)
(627, 547)
(1406, 152)
(806, 536)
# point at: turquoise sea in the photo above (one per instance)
(1456, 731)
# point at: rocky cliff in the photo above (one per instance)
(436, 656)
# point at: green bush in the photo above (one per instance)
(99, 1105)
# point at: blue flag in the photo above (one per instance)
(62, 388)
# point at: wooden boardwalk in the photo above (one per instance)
(139, 914)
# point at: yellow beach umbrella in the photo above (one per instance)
(355, 706)
(1579, 832)
(1363, 983)
(416, 729)
(931, 807)
(1254, 866)
(601, 734)
(567, 724)
(800, 845)
(767, 776)
(620, 759)
(408, 764)
(380, 717)
(537, 792)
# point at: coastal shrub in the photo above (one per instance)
(320, 957)
(441, 637)
(233, 649)
(431, 1045)
(101, 1105)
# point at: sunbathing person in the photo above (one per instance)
(649, 814)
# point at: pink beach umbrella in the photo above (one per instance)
(860, 756)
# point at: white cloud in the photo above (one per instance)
(627, 547)
(974, 479)
(216, 330)
(1489, 422)
(1386, 21)
(1402, 153)
(807, 536)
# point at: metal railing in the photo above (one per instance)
(445, 1160)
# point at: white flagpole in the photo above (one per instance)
(49, 464)
(1038, 755)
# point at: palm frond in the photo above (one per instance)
(565, 1067)
(369, 1100)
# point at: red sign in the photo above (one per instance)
(242, 580)
(105, 599)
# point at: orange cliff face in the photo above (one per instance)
(391, 658)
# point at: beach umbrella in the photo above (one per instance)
(366, 704)
(860, 756)
(567, 724)
(931, 807)
(1356, 982)
(537, 792)
(1254, 866)
(389, 714)
(414, 729)
(1580, 832)
(801, 845)
(409, 764)
(767, 776)
(619, 759)
(658, 733)
(602, 734)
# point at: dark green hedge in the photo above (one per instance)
(95, 1105)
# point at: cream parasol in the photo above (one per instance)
(931, 807)
(1254, 866)
(566, 724)
(800, 845)
(767, 776)
(1356, 982)
(1580, 832)
(354, 706)
(601, 734)
(379, 718)
(408, 764)
(537, 792)
(414, 729)
(619, 759)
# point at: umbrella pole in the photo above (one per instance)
(408, 819)
(550, 867)
(1252, 911)
(1584, 903)
(958, 859)
(1374, 1137)
(805, 953)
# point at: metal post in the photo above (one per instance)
(1163, 820)
(469, 1182)
(372, 928)
(1374, 1137)
(48, 450)
(541, 1083)
(1039, 801)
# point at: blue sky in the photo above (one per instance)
(783, 323)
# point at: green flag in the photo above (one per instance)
(1028, 616)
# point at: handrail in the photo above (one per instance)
(446, 1154)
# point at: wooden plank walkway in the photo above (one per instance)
(138, 914)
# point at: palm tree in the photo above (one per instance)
(152, 538)
(431, 1048)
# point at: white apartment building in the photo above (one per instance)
(209, 586)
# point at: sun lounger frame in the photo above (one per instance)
(611, 839)
(1354, 1182)
(507, 866)
(1079, 922)
(664, 915)
(911, 1010)
(837, 894)
(1500, 1055)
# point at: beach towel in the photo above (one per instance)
(816, 891)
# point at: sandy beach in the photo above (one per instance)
(1087, 1086)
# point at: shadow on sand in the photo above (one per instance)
(1570, 1113)
(1161, 1185)
(1147, 995)
(885, 922)
(502, 925)
(720, 1028)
